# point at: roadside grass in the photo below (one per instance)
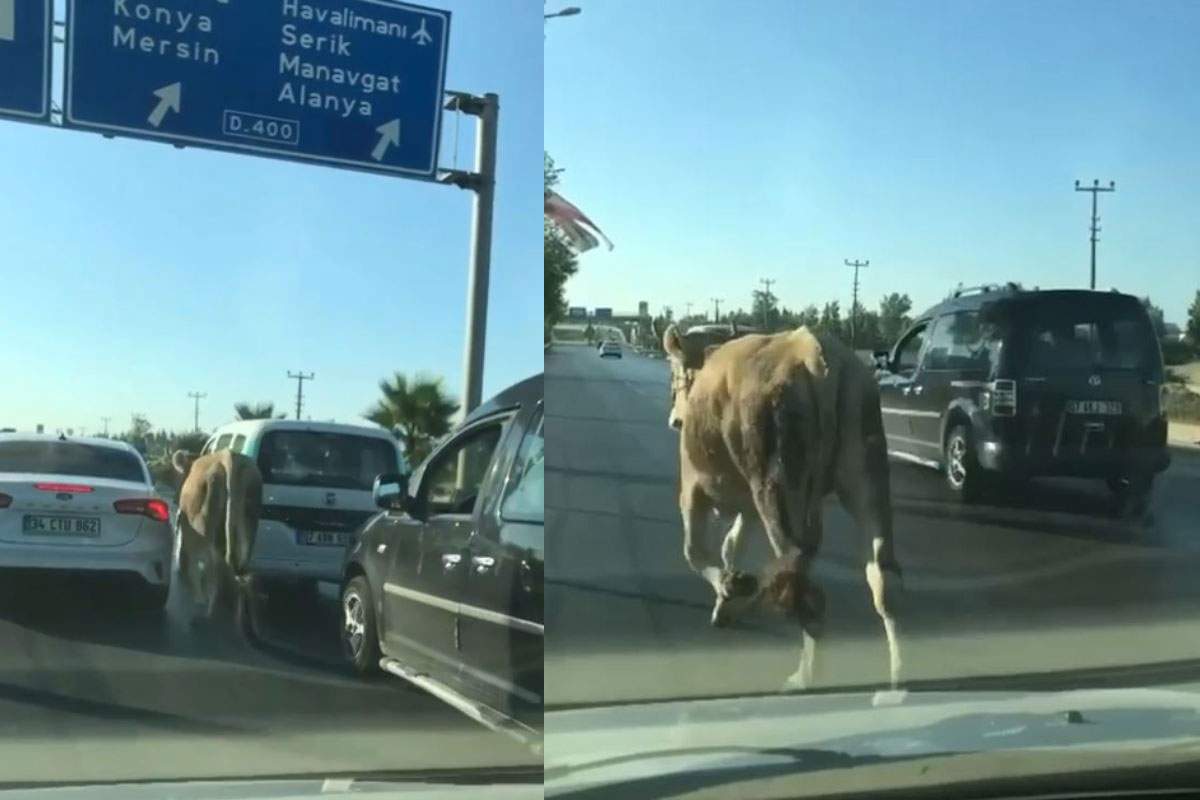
(1182, 405)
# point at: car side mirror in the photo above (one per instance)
(390, 492)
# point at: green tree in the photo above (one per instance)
(893, 317)
(831, 320)
(810, 317)
(765, 310)
(244, 411)
(1193, 321)
(558, 259)
(417, 411)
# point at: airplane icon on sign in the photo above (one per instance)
(8, 22)
(422, 35)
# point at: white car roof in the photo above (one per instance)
(95, 441)
(253, 427)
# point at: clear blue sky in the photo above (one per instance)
(134, 272)
(720, 142)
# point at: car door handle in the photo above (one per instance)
(906, 390)
(450, 561)
(381, 549)
(917, 389)
(483, 563)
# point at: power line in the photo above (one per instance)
(1095, 189)
(300, 378)
(766, 298)
(854, 302)
(105, 420)
(197, 396)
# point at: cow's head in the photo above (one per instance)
(687, 353)
(182, 460)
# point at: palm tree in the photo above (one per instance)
(416, 411)
(243, 411)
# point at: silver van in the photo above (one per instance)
(317, 480)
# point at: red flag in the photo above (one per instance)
(573, 223)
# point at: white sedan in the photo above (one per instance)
(83, 505)
(610, 349)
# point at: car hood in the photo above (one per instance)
(794, 745)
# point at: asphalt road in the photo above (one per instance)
(1039, 587)
(93, 690)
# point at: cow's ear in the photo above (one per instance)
(672, 343)
(182, 461)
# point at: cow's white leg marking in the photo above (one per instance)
(696, 508)
(732, 544)
(879, 581)
(805, 676)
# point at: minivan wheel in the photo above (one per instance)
(1131, 495)
(963, 474)
(360, 637)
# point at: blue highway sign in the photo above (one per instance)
(25, 49)
(349, 83)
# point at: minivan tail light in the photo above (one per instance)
(154, 509)
(1004, 398)
(5, 500)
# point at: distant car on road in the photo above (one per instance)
(998, 380)
(317, 481)
(78, 504)
(444, 586)
(610, 350)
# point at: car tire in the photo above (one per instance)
(961, 469)
(1131, 495)
(359, 634)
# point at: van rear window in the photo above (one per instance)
(332, 460)
(1066, 336)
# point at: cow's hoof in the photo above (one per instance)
(795, 683)
(738, 584)
(889, 697)
(720, 616)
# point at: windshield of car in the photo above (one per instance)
(994, 194)
(334, 460)
(71, 458)
(265, 251)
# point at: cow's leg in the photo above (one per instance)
(737, 590)
(865, 492)
(811, 605)
(696, 509)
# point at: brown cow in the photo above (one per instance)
(771, 425)
(219, 505)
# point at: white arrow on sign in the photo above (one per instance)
(389, 136)
(169, 97)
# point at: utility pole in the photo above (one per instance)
(483, 182)
(716, 309)
(1095, 189)
(105, 420)
(300, 378)
(689, 310)
(854, 302)
(766, 298)
(196, 396)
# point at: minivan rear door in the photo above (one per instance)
(1090, 370)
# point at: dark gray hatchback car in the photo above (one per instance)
(1001, 381)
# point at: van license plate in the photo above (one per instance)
(1110, 407)
(325, 538)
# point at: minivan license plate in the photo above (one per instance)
(1111, 407)
(325, 538)
(45, 525)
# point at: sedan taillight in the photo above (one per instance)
(155, 509)
(5, 500)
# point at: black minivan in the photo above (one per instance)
(1003, 381)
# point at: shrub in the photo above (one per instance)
(1182, 406)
